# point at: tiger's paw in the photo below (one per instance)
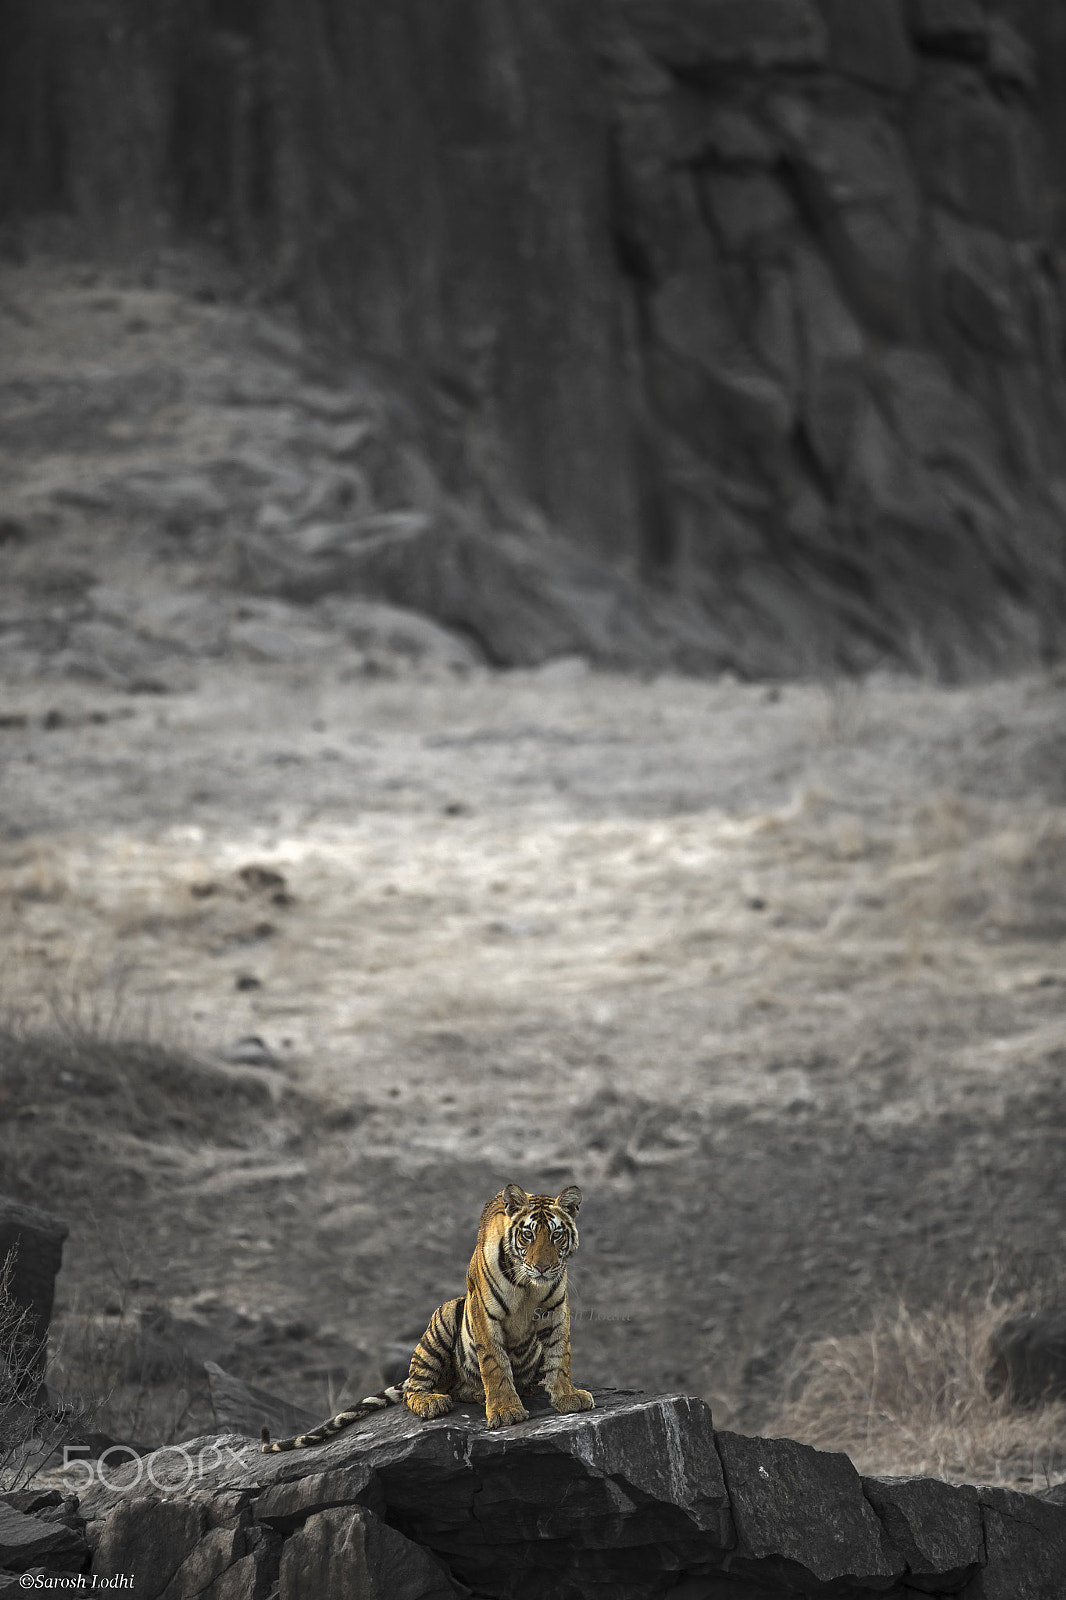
(504, 1416)
(575, 1400)
(427, 1406)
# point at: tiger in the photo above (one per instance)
(507, 1336)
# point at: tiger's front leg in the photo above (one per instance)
(502, 1405)
(555, 1346)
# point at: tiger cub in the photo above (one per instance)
(508, 1336)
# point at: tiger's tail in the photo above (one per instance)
(392, 1396)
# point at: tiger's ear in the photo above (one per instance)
(570, 1199)
(514, 1198)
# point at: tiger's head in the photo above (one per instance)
(541, 1232)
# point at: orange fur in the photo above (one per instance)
(508, 1336)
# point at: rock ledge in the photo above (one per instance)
(640, 1498)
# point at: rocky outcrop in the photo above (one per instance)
(1029, 1357)
(636, 1500)
(40, 1533)
(855, 231)
(777, 318)
(31, 1244)
(245, 1409)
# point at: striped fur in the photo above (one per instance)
(508, 1336)
(344, 1419)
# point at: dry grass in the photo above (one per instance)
(88, 1119)
(909, 1396)
(30, 1426)
(132, 1387)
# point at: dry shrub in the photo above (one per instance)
(1038, 907)
(909, 1396)
(135, 1388)
(31, 1427)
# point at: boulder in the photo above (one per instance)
(181, 1548)
(349, 1551)
(1025, 1542)
(252, 1577)
(636, 1500)
(236, 1560)
(1029, 1357)
(935, 1526)
(39, 1541)
(148, 1536)
(801, 1514)
(286, 1506)
(34, 1241)
(242, 1408)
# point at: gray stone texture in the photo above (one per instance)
(149, 1536)
(870, 42)
(935, 1527)
(30, 1541)
(755, 33)
(960, 25)
(1025, 1539)
(349, 1552)
(34, 1241)
(639, 1499)
(1029, 1357)
(242, 1408)
(587, 243)
(873, 239)
(855, 175)
(981, 156)
(801, 1513)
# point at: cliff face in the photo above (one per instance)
(837, 224)
(473, 237)
(758, 300)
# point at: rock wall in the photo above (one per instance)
(638, 1500)
(758, 301)
(837, 224)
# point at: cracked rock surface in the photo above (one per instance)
(636, 1500)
